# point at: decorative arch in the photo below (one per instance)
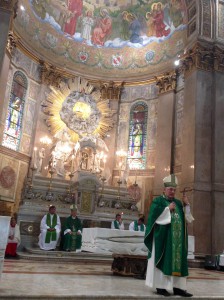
(13, 124)
(137, 136)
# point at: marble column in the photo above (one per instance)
(197, 154)
(218, 165)
(164, 142)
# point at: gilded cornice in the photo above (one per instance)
(10, 6)
(50, 75)
(11, 43)
(166, 82)
(110, 90)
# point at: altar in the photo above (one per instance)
(113, 241)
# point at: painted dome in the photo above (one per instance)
(105, 39)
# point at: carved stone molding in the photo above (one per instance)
(50, 75)
(219, 60)
(110, 90)
(199, 57)
(10, 5)
(11, 43)
(166, 82)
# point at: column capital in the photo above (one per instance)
(11, 43)
(110, 90)
(206, 57)
(219, 59)
(200, 57)
(166, 82)
(50, 75)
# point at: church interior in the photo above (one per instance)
(100, 100)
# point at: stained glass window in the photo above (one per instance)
(13, 124)
(137, 136)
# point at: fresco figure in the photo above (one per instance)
(125, 34)
(176, 14)
(151, 30)
(87, 24)
(158, 19)
(135, 28)
(102, 29)
(75, 7)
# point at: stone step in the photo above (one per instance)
(63, 256)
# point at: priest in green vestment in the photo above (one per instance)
(167, 242)
(117, 223)
(137, 225)
(72, 232)
(50, 228)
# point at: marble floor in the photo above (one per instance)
(26, 279)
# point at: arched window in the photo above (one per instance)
(137, 136)
(13, 124)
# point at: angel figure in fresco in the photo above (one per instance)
(102, 29)
(87, 25)
(158, 19)
(151, 30)
(75, 7)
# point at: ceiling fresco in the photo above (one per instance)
(114, 39)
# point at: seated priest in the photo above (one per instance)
(72, 232)
(50, 228)
(117, 223)
(13, 239)
(137, 225)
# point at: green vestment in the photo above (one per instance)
(136, 226)
(72, 241)
(170, 240)
(51, 235)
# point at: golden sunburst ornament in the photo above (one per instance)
(78, 106)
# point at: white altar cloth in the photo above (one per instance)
(108, 241)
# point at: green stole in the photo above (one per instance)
(170, 240)
(51, 235)
(136, 226)
(116, 224)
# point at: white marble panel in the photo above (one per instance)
(108, 241)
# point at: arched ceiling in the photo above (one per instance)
(104, 39)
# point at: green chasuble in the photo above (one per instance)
(51, 235)
(116, 224)
(136, 226)
(170, 240)
(72, 241)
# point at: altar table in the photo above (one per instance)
(109, 241)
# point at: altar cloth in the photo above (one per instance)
(109, 241)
